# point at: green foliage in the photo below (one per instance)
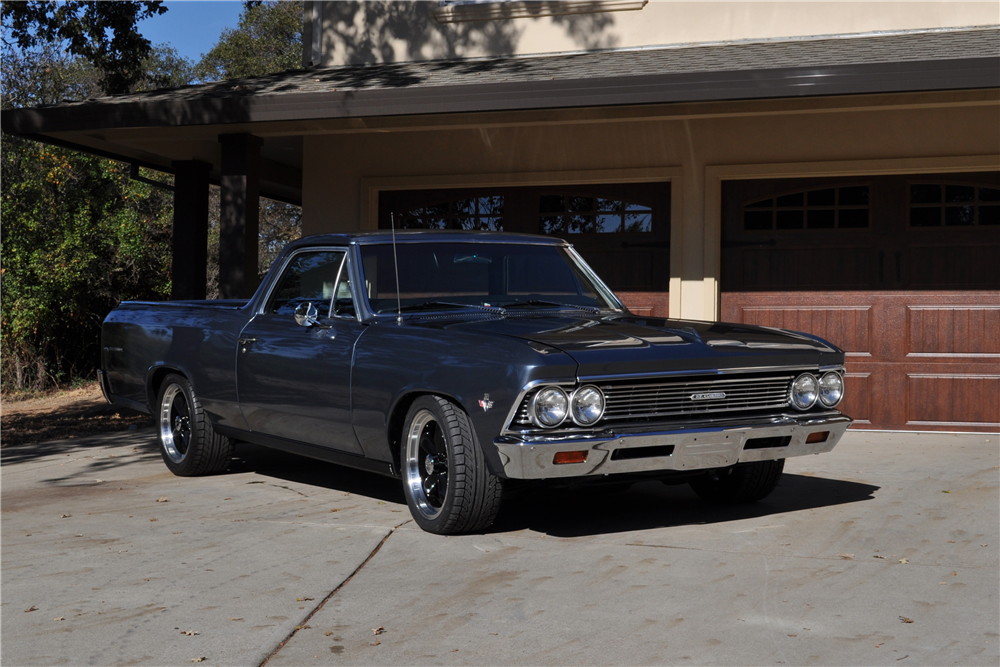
(268, 39)
(78, 235)
(104, 33)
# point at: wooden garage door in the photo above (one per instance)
(902, 272)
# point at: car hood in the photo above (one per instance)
(604, 346)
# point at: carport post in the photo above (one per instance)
(190, 236)
(239, 219)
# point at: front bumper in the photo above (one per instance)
(691, 447)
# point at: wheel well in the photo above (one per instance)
(156, 381)
(395, 422)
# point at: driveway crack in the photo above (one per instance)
(323, 602)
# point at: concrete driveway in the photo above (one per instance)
(883, 552)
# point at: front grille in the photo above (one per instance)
(632, 402)
(671, 399)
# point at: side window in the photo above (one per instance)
(311, 277)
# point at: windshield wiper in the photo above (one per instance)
(432, 305)
(549, 304)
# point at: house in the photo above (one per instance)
(829, 167)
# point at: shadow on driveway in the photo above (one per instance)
(649, 505)
(558, 513)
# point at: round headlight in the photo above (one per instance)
(804, 391)
(831, 389)
(549, 407)
(587, 405)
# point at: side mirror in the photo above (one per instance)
(306, 315)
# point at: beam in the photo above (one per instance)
(240, 215)
(190, 234)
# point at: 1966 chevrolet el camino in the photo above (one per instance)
(458, 361)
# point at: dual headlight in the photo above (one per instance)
(807, 390)
(551, 406)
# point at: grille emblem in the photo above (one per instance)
(708, 397)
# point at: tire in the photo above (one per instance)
(188, 444)
(741, 483)
(447, 485)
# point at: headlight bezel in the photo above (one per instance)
(533, 412)
(573, 404)
(793, 392)
(820, 391)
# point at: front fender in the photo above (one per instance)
(482, 373)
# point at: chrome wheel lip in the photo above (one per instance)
(173, 425)
(415, 467)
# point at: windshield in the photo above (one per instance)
(494, 275)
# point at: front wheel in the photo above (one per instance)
(448, 487)
(741, 483)
(188, 443)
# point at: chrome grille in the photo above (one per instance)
(670, 399)
(673, 398)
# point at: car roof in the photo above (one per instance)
(424, 236)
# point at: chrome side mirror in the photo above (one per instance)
(306, 315)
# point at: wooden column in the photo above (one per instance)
(239, 219)
(190, 237)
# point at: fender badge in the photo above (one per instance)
(708, 397)
(485, 403)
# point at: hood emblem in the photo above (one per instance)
(485, 403)
(708, 397)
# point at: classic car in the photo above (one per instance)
(459, 362)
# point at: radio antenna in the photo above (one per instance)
(395, 265)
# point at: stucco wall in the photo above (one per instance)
(371, 31)
(929, 132)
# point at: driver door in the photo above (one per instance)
(294, 380)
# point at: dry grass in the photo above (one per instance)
(61, 414)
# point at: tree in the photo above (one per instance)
(268, 39)
(102, 32)
(78, 234)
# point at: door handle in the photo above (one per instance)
(881, 261)
(244, 342)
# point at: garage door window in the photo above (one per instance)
(953, 205)
(843, 207)
(570, 214)
(484, 213)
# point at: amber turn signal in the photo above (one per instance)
(818, 436)
(569, 457)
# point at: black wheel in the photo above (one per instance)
(741, 483)
(445, 479)
(188, 443)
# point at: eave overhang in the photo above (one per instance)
(912, 76)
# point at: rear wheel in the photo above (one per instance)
(741, 483)
(188, 443)
(448, 487)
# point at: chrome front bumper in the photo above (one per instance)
(691, 448)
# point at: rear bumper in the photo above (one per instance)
(690, 448)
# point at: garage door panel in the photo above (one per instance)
(950, 331)
(806, 268)
(953, 400)
(915, 360)
(849, 326)
(939, 265)
(857, 397)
